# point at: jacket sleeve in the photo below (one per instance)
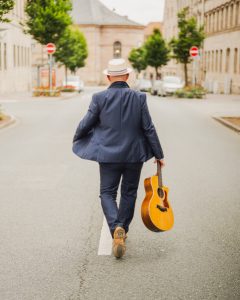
(150, 131)
(89, 121)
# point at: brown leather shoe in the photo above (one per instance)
(119, 247)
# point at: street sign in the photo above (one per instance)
(194, 51)
(51, 48)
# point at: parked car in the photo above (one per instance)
(157, 85)
(73, 82)
(170, 85)
(143, 85)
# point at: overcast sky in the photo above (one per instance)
(143, 11)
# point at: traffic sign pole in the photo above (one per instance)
(194, 71)
(51, 48)
(194, 52)
(50, 72)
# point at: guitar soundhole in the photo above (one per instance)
(165, 206)
(160, 193)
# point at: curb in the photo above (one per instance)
(227, 124)
(9, 122)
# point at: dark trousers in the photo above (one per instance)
(110, 175)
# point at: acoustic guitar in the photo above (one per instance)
(156, 211)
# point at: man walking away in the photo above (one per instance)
(118, 133)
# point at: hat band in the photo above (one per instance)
(118, 72)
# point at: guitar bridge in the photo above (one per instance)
(162, 208)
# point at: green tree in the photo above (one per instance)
(72, 50)
(157, 52)
(137, 57)
(5, 7)
(189, 35)
(47, 19)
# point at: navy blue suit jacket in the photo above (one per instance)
(117, 128)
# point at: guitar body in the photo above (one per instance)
(157, 214)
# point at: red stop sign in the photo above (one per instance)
(194, 51)
(51, 48)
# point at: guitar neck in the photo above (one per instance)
(159, 173)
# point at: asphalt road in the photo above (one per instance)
(51, 219)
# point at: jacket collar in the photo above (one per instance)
(119, 84)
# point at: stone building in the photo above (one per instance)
(150, 28)
(15, 53)
(108, 35)
(219, 66)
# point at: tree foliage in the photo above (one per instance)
(157, 51)
(189, 35)
(137, 57)
(72, 49)
(47, 19)
(5, 7)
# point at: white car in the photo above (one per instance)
(143, 85)
(73, 82)
(170, 85)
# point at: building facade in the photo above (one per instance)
(15, 53)
(108, 35)
(219, 62)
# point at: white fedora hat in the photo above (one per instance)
(117, 67)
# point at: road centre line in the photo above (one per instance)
(105, 242)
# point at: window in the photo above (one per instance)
(18, 56)
(220, 65)
(206, 23)
(5, 56)
(221, 20)
(205, 60)
(209, 60)
(28, 55)
(235, 60)
(210, 23)
(216, 63)
(226, 17)
(117, 50)
(227, 60)
(25, 56)
(231, 15)
(22, 56)
(14, 56)
(212, 69)
(237, 13)
(217, 16)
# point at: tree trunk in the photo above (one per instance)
(156, 69)
(186, 74)
(66, 75)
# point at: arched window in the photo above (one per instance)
(117, 49)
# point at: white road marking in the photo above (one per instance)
(105, 242)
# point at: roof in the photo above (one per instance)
(86, 12)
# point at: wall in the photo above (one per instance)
(15, 53)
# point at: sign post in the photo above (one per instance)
(194, 52)
(51, 48)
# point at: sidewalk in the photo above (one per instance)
(217, 105)
(27, 96)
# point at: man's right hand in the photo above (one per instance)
(162, 162)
